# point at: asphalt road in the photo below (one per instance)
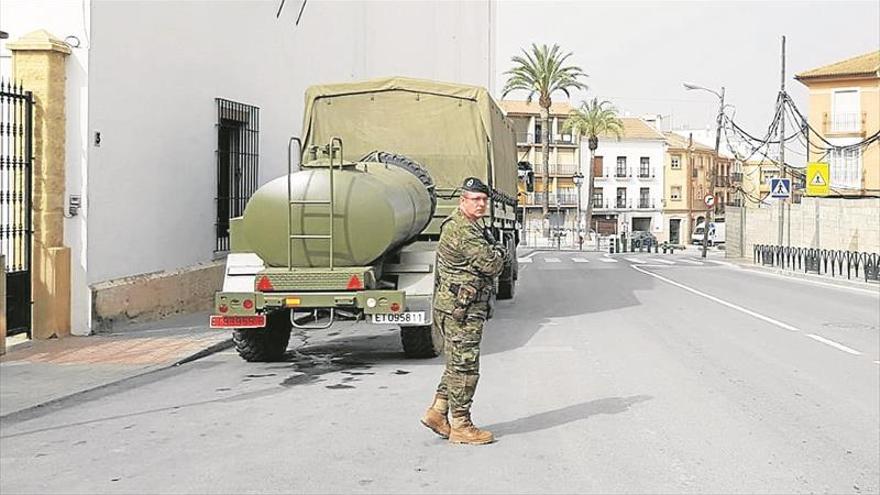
(629, 374)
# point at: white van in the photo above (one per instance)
(716, 233)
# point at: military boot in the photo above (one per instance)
(435, 416)
(463, 430)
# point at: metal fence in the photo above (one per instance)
(833, 262)
(16, 199)
(238, 159)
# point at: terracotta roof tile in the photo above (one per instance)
(677, 141)
(635, 128)
(862, 65)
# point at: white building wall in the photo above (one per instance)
(146, 79)
(64, 19)
(633, 150)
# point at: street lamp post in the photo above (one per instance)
(578, 181)
(712, 174)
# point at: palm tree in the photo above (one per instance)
(594, 119)
(541, 70)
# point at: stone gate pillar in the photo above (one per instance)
(39, 63)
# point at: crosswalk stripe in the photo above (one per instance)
(524, 260)
(691, 261)
(580, 260)
(635, 260)
(608, 260)
(551, 260)
(660, 260)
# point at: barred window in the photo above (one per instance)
(238, 158)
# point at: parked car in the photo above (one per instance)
(643, 238)
(716, 233)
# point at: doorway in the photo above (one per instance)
(675, 231)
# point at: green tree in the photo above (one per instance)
(592, 120)
(542, 71)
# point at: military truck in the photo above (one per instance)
(350, 232)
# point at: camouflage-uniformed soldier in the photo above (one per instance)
(468, 261)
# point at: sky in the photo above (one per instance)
(638, 53)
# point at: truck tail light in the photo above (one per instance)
(248, 304)
(265, 284)
(354, 283)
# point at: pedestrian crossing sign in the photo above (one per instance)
(780, 188)
(818, 180)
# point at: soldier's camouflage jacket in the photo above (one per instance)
(465, 256)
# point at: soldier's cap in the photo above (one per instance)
(473, 184)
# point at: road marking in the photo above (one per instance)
(608, 260)
(524, 260)
(580, 260)
(691, 261)
(660, 260)
(720, 301)
(723, 263)
(636, 260)
(834, 344)
(530, 254)
(551, 260)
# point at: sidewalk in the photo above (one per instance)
(35, 373)
(841, 281)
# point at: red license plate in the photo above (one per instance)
(253, 321)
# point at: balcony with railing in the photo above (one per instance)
(563, 168)
(561, 199)
(528, 138)
(646, 173)
(844, 123)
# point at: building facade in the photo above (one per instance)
(176, 111)
(628, 180)
(844, 108)
(687, 169)
(564, 163)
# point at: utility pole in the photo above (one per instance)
(714, 172)
(782, 145)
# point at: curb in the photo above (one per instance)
(37, 410)
(742, 263)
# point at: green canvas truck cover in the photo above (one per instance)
(453, 130)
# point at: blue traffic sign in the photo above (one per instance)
(780, 188)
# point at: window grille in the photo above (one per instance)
(238, 158)
(598, 198)
(846, 170)
(645, 167)
(621, 166)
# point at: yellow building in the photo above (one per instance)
(845, 108)
(756, 175)
(564, 159)
(686, 182)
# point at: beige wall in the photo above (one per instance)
(824, 223)
(820, 109)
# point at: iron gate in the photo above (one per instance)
(16, 153)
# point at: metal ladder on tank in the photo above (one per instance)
(316, 202)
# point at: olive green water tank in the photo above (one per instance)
(377, 207)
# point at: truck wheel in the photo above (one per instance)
(507, 279)
(264, 344)
(506, 288)
(417, 342)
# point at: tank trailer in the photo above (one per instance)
(350, 232)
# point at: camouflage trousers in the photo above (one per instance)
(461, 344)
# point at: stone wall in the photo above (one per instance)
(155, 296)
(824, 223)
